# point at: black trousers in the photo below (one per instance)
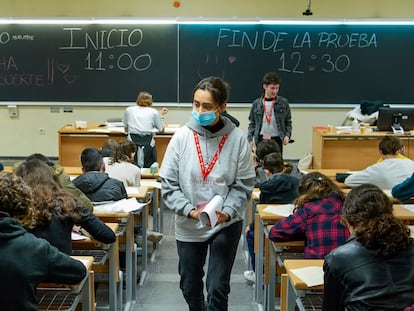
(144, 141)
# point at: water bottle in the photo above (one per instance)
(355, 126)
(154, 168)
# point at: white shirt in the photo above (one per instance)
(385, 174)
(142, 120)
(128, 173)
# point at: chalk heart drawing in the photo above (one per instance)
(63, 68)
(70, 79)
(232, 59)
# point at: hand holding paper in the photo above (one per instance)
(208, 214)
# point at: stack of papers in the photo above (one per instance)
(311, 276)
(281, 210)
(115, 129)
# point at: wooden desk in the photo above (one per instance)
(72, 141)
(126, 239)
(295, 288)
(262, 219)
(112, 266)
(355, 150)
(56, 296)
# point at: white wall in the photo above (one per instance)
(21, 135)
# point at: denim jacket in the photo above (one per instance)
(282, 115)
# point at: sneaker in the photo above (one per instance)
(250, 276)
(154, 236)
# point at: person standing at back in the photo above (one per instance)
(270, 116)
(141, 122)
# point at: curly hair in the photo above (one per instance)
(369, 211)
(50, 199)
(16, 198)
(123, 152)
(315, 186)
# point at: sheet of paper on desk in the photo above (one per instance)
(411, 231)
(149, 183)
(115, 129)
(77, 236)
(121, 206)
(410, 207)
(311, 276)
(281, 210)
(84, 261)
(132, 190)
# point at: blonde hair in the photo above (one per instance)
(144, 99)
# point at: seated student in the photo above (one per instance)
(64, 179)
(400, 152)
(265, 147)
(108, 148)
(94, 182)
(388, 173)
(55, 211)
(316, 218)
(278, 188)
(26, 260)
(1, 167)
(405, 190)
(121, 164)
(374, 269)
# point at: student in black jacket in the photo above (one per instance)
(94, 182)
(56, 211)
(26, 260)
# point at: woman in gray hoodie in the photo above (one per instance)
(207, 158)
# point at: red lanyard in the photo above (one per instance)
(269, 115)
(207, 171)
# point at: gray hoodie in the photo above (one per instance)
(183, 188)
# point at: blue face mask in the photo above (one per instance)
(204, 118)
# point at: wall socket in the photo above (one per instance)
(12, 111)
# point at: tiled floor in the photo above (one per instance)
(161, 290)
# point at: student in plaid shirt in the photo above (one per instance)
(316, 219)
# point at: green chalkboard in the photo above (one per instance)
(108, 63)
(318, 64)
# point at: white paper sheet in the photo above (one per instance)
(410, 207)
(281, 210)
(132, 190)
(77, 236)
(121, 206)
(208, 214)
(311, 276)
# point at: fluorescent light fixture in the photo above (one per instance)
(83, 21)
(203, 21)
(219, 21)
(390, 22)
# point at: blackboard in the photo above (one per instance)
(102, 63)
(318, 64)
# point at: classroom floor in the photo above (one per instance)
(161, 291)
